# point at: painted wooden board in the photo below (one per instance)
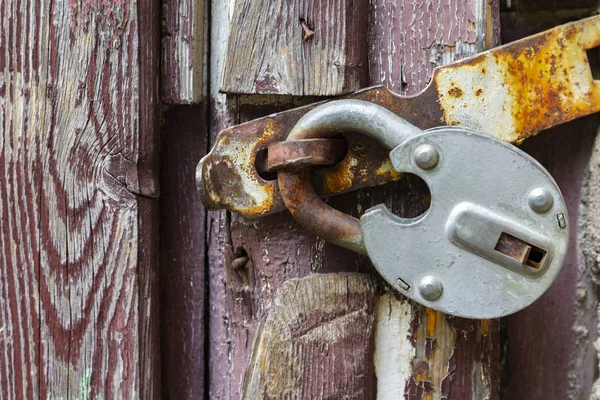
(553, 6)
(78, 207)
(408, 39)
(314, 343)
(417, 353)
(587, 345)
(549, 347)
(182, 261)
(182, 47)
(298, 47)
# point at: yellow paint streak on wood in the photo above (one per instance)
(485, 327)
(435, 339)
(431, 321)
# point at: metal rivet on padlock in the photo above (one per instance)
(488, 246)
(430, 287)
(540, 200)
(426, 156)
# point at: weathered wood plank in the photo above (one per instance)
(408, 39)
(298, 47)
(587, 311)
(78, 179)
(182, 270)
(517, 25)
(183, 40)
(549, 345)
(546, 5)
(314, 343)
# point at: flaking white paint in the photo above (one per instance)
(394, 351)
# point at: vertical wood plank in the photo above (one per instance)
(409, 38)
(549, 345)
(314, 343)
(78, 182)
(182, 276)
(183, 31)
(299, 47)
(587, 346)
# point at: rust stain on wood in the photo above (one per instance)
(434, 339)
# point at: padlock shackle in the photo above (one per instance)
(337, 117)
(344, 116)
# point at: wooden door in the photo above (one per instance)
(116, 283)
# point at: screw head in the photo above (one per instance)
(426, 156)
(540, 200)
(430, 287)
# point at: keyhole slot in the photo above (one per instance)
(521, 251)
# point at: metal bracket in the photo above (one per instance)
(511, 92)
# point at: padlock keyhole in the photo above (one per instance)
(536, 257)
(520, 251)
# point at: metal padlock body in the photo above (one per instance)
(458, 257)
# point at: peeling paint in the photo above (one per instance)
(394, 351)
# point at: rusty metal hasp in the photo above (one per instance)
(511, 92)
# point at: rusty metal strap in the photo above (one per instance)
(511, 92)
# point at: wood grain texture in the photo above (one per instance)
(547, 5)
(78, 182)
(314, 343)
(465, 365)
(298, 47)
(183, 31)
(182, 270)
(549, 345)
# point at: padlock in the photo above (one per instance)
(493, 239)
